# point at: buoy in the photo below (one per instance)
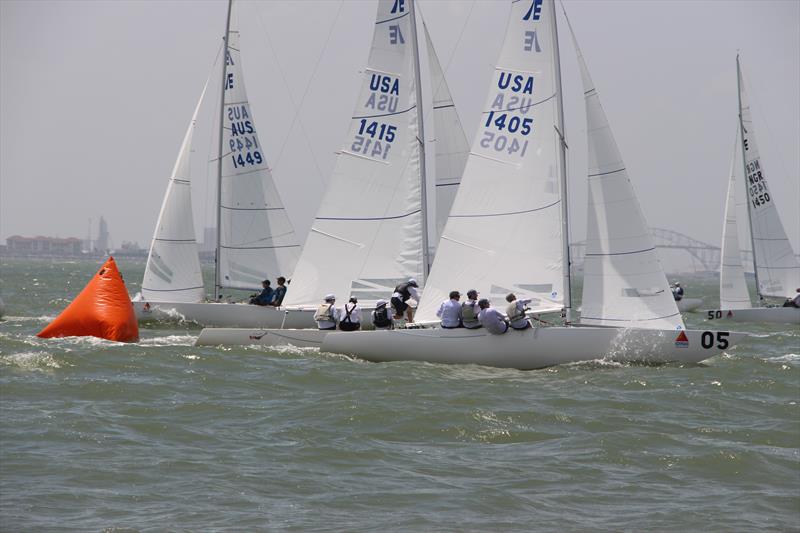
(102, 309)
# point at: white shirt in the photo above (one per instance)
(450, 313)
(796, 300)
(327, 324)
(493, 320)
(355, 314)
(522, 322)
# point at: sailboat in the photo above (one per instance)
(510, 187)
(255, 239)
(371, 231)
(776, 268)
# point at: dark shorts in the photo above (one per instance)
(399, 305)
(349, 326)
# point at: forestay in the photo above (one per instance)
(624, 284)
(451, 144)
(367, 235)
(777, 269)
(732, 284)
(257, 240)
(173, 266)
(503, 233)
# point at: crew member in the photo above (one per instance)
(450, 311)
(491, 319)
(265, 296)
(381, 318)
(402, 293)
(677, 292)
(470, 310)
(327, 315)
(793, 302)
(279, 293)
(516, 311)
(350, 317)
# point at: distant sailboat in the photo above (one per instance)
(508, 231)
(776, 268)
(255, 238)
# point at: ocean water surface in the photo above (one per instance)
(161, 435)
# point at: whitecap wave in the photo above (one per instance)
(35, 361)
(170, 340)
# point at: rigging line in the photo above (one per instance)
(299, 107)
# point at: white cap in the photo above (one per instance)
(380, 303)
(412, 280)
(329, 297)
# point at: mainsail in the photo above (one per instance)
(503, 233)
(732, 284)
(777, 269)
(367, 235)
(624, 284)
(451, 144)
(173, 267)
(256, 237)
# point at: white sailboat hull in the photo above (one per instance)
(302, 338)
(687, 305)
(225, 315)
(532, 348)
(775, 315)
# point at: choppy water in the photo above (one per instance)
(161, 435)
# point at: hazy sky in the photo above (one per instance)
(96, 97)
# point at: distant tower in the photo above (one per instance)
(101, 245)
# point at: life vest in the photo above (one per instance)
(324, 313)
(348, 312)
(381, 318)
(468, 315)
(403, 290)
(514, 313)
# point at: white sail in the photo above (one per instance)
(257, 240)
(451, 146)
(504, 230)
(732, 284)
(777, 268)
(367, 235)
(173, 266)
(624, 284)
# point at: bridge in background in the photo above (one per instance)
(704, 256)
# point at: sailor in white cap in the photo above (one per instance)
(327, 315)
(402, 293)
(381, 316)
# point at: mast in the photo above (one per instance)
(217, 280)
(744, 165)
(562, 156)
(426, 263)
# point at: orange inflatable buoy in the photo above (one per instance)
(102, 309)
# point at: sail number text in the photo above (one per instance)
(374, 139)
(757, 187)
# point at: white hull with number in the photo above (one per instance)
(532, 348)
(688, 305)
(775, 315)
